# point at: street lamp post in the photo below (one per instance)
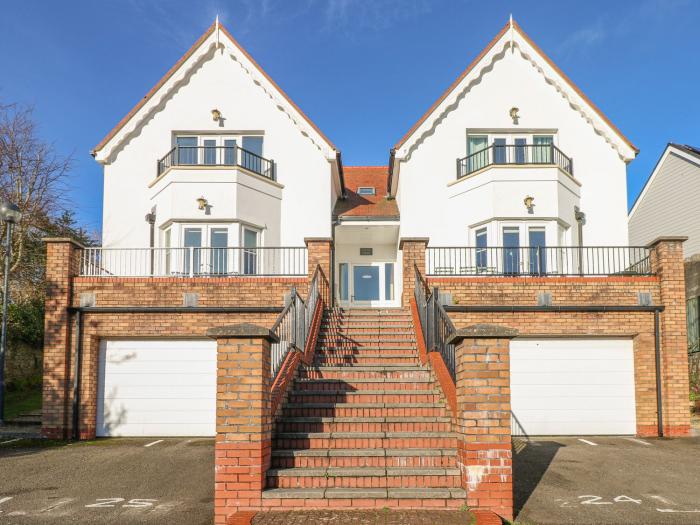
(10, 214)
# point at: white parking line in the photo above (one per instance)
(10, 441)
(154, 443)
(588, 442)
(639, 441)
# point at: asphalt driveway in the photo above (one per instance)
(607, 480)
(108, 481)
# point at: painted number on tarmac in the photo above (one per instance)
(598, 500)
(110, 503)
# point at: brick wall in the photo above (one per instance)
(412, 255)
(484, 450)
(65, 289)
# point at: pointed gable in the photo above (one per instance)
(216, 37)
(512, 37)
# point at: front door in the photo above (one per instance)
(367, 284)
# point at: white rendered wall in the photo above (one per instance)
(427, 204)
(219, 82)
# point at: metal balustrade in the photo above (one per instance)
(518, 154)
(435, 322)
(232, 156)
(293, 325)
(538, 261)
(193, 262)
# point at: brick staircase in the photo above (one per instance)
(365, 424)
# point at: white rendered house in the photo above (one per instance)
(217, 172)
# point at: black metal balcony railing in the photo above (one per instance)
(232, 156)
(538, 260)
(521, 154)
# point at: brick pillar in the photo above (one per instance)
(243, 418)
(62, 264)
(667, 264)
(319, 254)
(412, 253)
(484, 449)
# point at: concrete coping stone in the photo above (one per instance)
(424, 240)
(63, 239)
(482, 331)
(242, 331)
(667, 238)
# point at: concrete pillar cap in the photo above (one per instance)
(667, 238)
(482, 331)
(424, 240)
(63, 240)
(242, 331)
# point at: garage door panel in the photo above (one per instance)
(572, 386)
(157, 388)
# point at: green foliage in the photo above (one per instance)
(26, 322)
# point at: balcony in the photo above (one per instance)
(217, 156)
(538, 261)
(514, 155)
(193, 262)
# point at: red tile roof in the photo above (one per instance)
(366, 205)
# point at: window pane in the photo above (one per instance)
(250, 157)
(167, 237)
(219, 254)
(389, 282)
(476, 152)
(481, 249)
(538, 253)
(230, 152)
(344, 276)
(511, 250)
(210, 151)
(186, 150)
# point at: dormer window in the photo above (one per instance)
(366, 190)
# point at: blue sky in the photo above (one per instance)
(363, 70)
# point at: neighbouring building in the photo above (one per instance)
(368, 335)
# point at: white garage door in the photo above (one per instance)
(163, 387)
(572, 387)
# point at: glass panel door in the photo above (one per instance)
(511, 250)
(209, 151)
(542, 149)
(251, 156)
(365, 283)
(344, 282)
(520, 150)
(230, 152)
(250, 252)
(538, 253)
(499, 151)
(218, 243)
(186, 150)
(193, 255)
(476, 152)
(481, 250)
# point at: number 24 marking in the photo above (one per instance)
(596, 500)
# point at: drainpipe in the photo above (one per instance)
(151, 220)
(76, 374)
(657, 351)
(331, 283)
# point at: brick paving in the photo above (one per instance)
(365, 517)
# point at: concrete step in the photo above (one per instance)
(365, 396)
(350, 373)
(451, 497)
(374, 477)
(367, 368)
(397, 383)
(334, 440)
(315, 458)
(364, 359)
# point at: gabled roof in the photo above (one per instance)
(374, 206)
(173, 70)
(504, 34)
(689, 153)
